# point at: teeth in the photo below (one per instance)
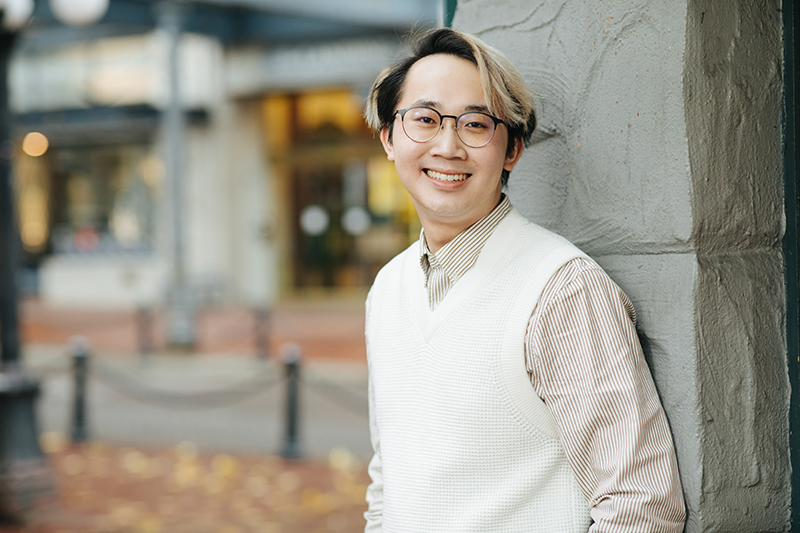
(446, 177)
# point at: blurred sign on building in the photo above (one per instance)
(115, 71)
(352, 62)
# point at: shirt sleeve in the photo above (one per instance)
(374, 512)
(586, 364)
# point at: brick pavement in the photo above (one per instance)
(106, 489)
(327, 329)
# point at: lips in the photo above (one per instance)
(439, 176)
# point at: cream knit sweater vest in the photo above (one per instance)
(465, 444)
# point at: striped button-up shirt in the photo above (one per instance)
(581, 351)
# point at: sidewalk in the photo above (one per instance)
(141, 423)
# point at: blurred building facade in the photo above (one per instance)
(283, 187)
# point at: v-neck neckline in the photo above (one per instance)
(492, 254)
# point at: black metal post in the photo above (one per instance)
(25, 475)
(79, 348)
(144, 327)
(292, 355)
(24, 472)
(9, 239)
(261, 317)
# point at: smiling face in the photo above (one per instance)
(452, 185)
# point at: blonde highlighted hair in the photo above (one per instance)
(504, 89)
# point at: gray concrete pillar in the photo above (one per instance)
(659, 153)
(181, 320)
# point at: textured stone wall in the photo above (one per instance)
(659, 153)
(733, 85)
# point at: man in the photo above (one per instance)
(508, 391)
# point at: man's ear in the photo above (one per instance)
(387, 143)
(513, 156)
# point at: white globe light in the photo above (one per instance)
(314, 220)
(356, 220)
(79, 12)
(16, 13)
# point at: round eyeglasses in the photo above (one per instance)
(475, 129)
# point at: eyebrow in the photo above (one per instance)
(478, 108)
(437, 105)
(426, 103)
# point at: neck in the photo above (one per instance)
(439, 232)
(437, 236)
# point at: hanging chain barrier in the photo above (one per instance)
(43, 372)
(136, 389)
(345, 397)
(84, 366)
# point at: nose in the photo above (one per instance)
(447, 143)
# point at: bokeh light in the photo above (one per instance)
(35, 144)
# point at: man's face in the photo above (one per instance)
(451, 184)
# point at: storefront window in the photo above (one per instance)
(104, 199)
(348, 213)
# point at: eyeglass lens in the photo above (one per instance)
(421, 124)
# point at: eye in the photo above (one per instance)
(422, 117)
(475, 122)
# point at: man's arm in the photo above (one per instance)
(587, 365)
(374, 513)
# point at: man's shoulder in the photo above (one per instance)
(396, 265)
(532, 239)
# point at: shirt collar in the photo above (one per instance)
(459, 255)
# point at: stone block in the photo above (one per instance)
(608, 167)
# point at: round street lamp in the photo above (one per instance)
(16, 13)
(79, 12)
